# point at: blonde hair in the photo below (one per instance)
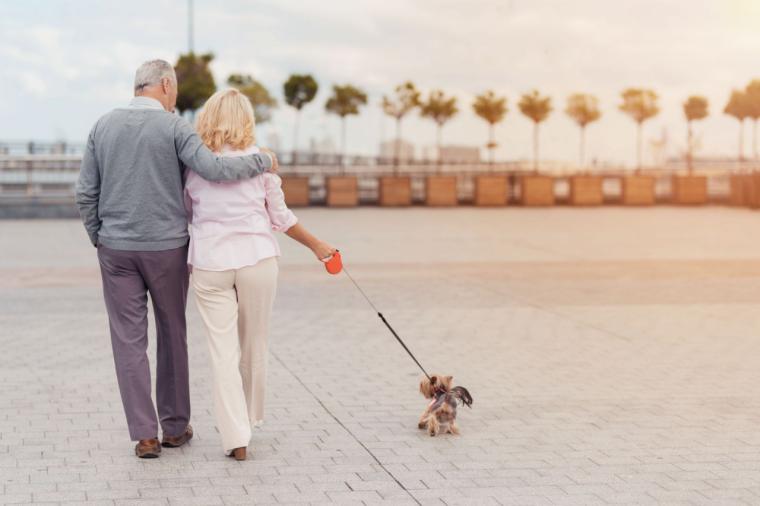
(227, 118)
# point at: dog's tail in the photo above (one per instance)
(463, 395)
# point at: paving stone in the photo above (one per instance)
(611, 353)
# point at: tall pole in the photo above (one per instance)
(535, 146)
(638, 146)
(342, 144)
(583, 147)
(491, 142)
(689, 145)
(190, 25)
(438, 143)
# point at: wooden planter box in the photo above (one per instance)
(296, 190)
(342, 191)
(739, 192)
(689, 190)
(395, 191)
(638, 191)
(491, 190)
(441, 191)
(744, 190)
(752, 190)
(537, 190)
(586, 191)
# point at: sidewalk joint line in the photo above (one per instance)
(327, 410)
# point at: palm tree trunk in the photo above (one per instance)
(535, 147)
(689, 153)
(295, 136)
(490, 143)
(438, 144)
(583, 147)
(397, 142)
(638, 145)
(342, 144)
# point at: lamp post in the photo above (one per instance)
(190, 25)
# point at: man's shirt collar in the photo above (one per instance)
(145, 103)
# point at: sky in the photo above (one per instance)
(65, 63)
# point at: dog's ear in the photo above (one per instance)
(449, 378)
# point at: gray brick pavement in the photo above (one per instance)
(611, 353)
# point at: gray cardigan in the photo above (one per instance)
(130, 187)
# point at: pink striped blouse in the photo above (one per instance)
(231, 222)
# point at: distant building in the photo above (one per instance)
(710, 163)
(453, 154)
(405, 149)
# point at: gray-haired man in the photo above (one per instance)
(130, 198)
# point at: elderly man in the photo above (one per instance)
(130, 197)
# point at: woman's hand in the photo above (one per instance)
(323, 251)
(275, 164)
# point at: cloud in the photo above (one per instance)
(32, 83)
(82, 56)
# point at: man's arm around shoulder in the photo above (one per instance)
(194, 154)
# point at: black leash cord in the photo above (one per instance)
(385, 322)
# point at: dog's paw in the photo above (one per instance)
(421, 425)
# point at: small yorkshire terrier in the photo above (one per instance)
(441, 414)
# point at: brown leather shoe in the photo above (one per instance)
(148, 448)
(177, 441)
(239, 453)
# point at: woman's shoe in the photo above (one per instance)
(238, 453)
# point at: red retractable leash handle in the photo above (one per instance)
(334, 265)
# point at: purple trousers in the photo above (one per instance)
(128, 277)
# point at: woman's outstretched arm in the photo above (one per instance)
(321, 249)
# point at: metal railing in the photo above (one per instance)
(20, 148)
(53, 176)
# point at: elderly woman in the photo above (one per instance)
(233, 256)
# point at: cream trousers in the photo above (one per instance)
(235, 306)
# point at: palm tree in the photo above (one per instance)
(537, 108)
(584, 109)
(738, 106)
(345, 101)
(753, 96)
(695, 108)
(407, 98)
(640, 104)
(262, 101)
(492, 109)
(440, 109)
(299, 90)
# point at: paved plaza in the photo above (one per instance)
(612, 354)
